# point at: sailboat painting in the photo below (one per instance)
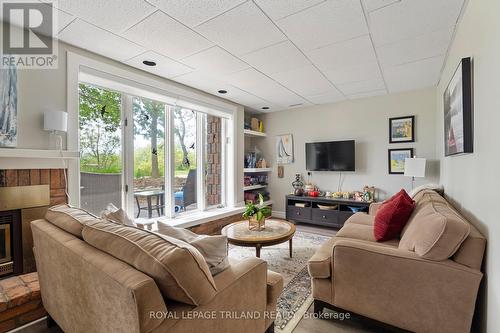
(8, 107)
(284, 149)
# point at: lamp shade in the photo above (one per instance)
(415, 167)
(55, 121)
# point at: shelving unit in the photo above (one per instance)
(248, 132)
(256, 170)
(255, 176)
(254, 187)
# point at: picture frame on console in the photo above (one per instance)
(457, 102)
(402, 129)
(397, 160)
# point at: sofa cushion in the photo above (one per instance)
(392, 216)
(435, 231)
(357, 231)
(70, 219)
(213, 248)
(178, 268)
(361, 218)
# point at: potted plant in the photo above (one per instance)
(256, 214)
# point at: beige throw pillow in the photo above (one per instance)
(117, 215)
(213, 248)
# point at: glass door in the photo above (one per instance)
(149, 158)
(101, 163)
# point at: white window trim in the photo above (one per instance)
(78, 66)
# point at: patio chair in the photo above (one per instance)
(187, 195)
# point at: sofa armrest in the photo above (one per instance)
(320, 265)
(374, 208)
(398, 287)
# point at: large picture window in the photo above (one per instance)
(148, 156)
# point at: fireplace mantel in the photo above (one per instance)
(21, 158)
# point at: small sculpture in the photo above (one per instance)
(298, 185)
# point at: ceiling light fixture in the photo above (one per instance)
(222, 91)
(265, 108)
(149, 63)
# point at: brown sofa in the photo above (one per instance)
(87, 289)
(427, 281)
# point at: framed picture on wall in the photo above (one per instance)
(402, 129)
(397, 160)
(8, 107)
(457, 101)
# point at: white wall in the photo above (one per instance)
(471, 181)
(367, 122)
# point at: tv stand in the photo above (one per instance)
(312, 214)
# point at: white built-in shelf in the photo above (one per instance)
(248, 132)
(249, 170)
(37, 153)
(253, 187)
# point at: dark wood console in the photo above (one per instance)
(311, 213)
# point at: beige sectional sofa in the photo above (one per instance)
(97, 276)
(425, 282)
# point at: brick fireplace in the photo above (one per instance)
(25, 196)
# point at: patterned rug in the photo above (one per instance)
(296, 297)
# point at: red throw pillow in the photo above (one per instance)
(392, 216)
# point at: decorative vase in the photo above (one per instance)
(256, 225)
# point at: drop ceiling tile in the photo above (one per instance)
(368, 94)
(203, 81)
(279, 9)
(344, 54)
(215, 60)
(412, 49)
(332, 96)
(63, 19)
(361, 72)
(415, 75)
(161, 33)
(241, 30)
(110, 15)
(372, 5)
(194, 12)
(246, 79)
(408, 19)
(326, 23)
(277, 58)
(165, 67)
(304, 81)
(361, 86)
(85, 35)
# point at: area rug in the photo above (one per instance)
(296, 297)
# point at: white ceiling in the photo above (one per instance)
(275, 53)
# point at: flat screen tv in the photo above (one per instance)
(330, 156)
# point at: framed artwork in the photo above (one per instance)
(457, 101)
(397, 160)
(402, 129)
(284, 149)
(8, 107)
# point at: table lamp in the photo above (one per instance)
(414, 167)
(55, 122)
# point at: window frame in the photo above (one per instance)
(110, 77)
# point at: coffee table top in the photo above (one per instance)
(276, 231)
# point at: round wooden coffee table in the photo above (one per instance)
(275, 232)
